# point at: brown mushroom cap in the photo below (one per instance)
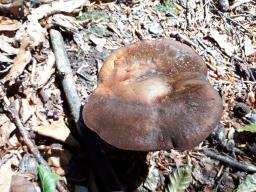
(153, 95)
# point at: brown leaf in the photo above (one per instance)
(6, 176)
(6, 128)
(5, 45)
(36, 33)
(7, 24)
(67, 22)
(27, 110)
(21, 184)
(57, 130)
(47, 71)
(222, 40)
(21, 61)
(59, 157)
(5, 59)
(56, 7)
(249, 48)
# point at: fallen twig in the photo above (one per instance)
(206, 12)
(219, 136)
(188, 15)
(13, 113)
(64, 70)
(222, 16)
(218, 183)
(238, 3)
(230, 161)
(183, 38)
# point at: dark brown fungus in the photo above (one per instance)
(153, 95)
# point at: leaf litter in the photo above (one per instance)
(225, 37)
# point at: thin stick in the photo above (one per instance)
(237, 4)
(230, 161)
(13, 113)
(66, 74)
(183, 38)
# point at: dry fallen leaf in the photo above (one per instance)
(5, 59)
(6, 128)
(222, 40)
(27, 110)
(57, 130)
(59, 171)
(21, 184)
(7, 24)
(6, 176)
(249, 49)
(47, 71)
(67, 22)
(5, 45)
(21, 61)
(59, 157)
(57, 7)
(36, 33)
(99, 42)
(13, 141)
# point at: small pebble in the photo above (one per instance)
(155, 28)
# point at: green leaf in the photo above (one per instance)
(180, 179)
(166, 7)
(248, 184)
(251, 128)
(48, 179)
(96, 15)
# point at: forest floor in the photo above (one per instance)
(36, 125)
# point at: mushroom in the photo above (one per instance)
(153, 95)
